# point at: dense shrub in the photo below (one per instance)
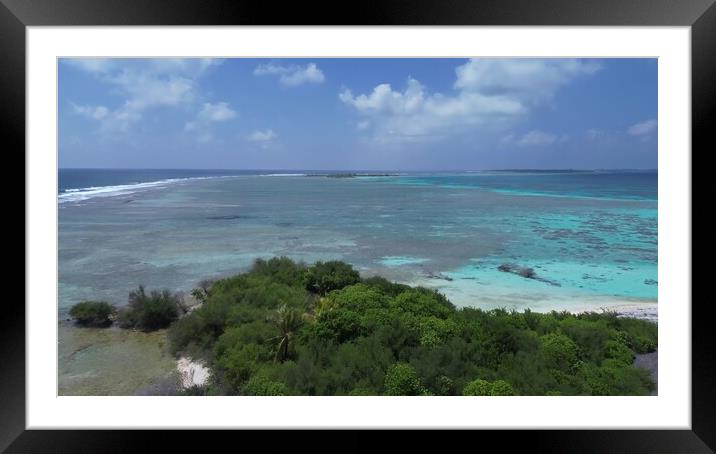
(359, 297)
(613, 379)
(238, 362)
(280, 269)
(560, 351)
(619, 352)
(286, 328)
(260, 385)
(501, 388)
(641, 337)
(401, 380)
(385, 287)
(151, 311)
(189, 333)
(477, 387)
(231, 302)
(481, 387)
(92, 313)
(324, 277)
(339, 325)
(421, 303)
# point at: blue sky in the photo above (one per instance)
(366, 114)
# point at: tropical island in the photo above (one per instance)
(288, 328)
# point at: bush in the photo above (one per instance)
(615, 379)
(338, 325)
(445, 386)
(92, 313)
(401, 380)
(436, 331)
(261, 385)
(280, 269)
(189, 331)
(619, 352)
(559, 351)
(501, 388)
(324, 277)
(589, 332)
(150, 312)
(386, 287)
(240, 361)
(358, 297)
(361, 392)
(481, 387)
(641, 335)
(421, 303)
(477, 388)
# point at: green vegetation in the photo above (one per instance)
(150, 312)
(402, 380)
(286, 328)
(481, 387)
(324, 277)
(92, 313)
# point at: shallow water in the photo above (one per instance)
(595, 241)
(112, 361)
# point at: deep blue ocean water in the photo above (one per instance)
(590, 236)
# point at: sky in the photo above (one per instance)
(358, 114)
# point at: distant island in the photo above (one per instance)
(351, 175)
(287, 328)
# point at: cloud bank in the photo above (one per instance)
(144, 84)
(644, 128)
(490, 94)
(292, 76)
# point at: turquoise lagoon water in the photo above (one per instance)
(590, 236)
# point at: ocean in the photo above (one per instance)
(590, 237)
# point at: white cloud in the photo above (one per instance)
(365, 124)
(538, 138)
(92, 65)
(216, 112)
(262, 136)
(292, 76)
(93, 112)
(209, 113)
(644, 128)
(265, 139)
(530, 79)
(187, 67)
(490, 94)
(144, 84)
(415, 114)
(535, 138)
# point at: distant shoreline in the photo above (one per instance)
(351, 175)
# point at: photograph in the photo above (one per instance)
(344, 226)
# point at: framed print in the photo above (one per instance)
(417, 217)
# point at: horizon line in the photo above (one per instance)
(526, 169)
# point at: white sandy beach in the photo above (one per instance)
(193, 373)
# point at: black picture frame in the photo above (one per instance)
(700, 15)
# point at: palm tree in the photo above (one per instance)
(288, 321)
